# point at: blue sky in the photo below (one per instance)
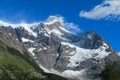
(101, 16)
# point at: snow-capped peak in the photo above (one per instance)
(3, 23)
(26, 26)
(53, 19)
(55, 25)
(62, 23)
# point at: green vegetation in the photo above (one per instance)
(112, 72)
(17, 66)
(13, 72)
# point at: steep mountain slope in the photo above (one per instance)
(16, 62)
(111, 72)
(61, 52)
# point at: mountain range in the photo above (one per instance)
(49, 49)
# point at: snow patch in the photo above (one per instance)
(89, 36)
(31, 50)
(40, 49)
(105, 45)
(65, 30)
(23, 25)
(53, 19)
(56, 31)
(72, 74)
(46, 34)
(45, 69)
(10, 34)
(44, 48)
(27, 40)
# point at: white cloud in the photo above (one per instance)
(75, 29)
(106, 10)
(72, 27)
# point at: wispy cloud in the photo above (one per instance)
(106, 10)
(13, 17)
(72, 27)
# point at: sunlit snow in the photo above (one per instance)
(26, 40)
(31, 50)
(81, 54)
(23, 25)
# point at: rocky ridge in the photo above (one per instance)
(61, 52)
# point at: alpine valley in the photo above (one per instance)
(48, 51)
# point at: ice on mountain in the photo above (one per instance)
(81, 54)
(89, 36)
(26, 26)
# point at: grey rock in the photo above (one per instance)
(50, 53)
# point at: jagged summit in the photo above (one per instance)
(92, 40)
(54, 19)
(26, 26)
(59, 51)
(53, 25)
(22, 24)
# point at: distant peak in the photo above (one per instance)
(26, 26)
(53, 19)
(91, 40)
(91, 35)
(3, 23)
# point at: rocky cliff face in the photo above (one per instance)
(16, 63)
(59, 51)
